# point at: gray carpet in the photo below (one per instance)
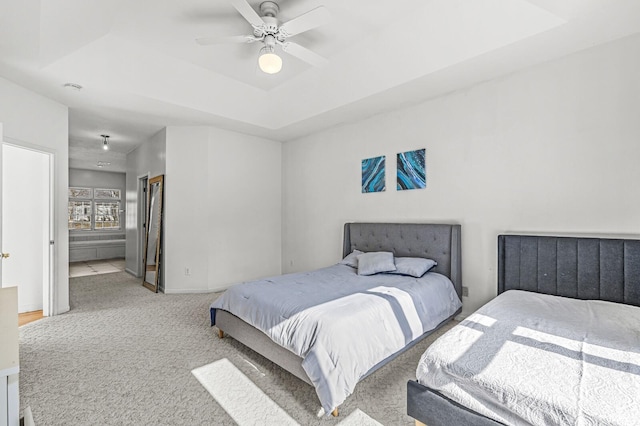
(123, 356)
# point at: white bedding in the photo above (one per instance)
(527, 358)
(341, 323)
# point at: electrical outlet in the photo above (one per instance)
(465, 291)
(187, 271)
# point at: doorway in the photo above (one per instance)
(27, 225)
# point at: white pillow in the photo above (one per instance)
(413, 266)
(375, 262)
(351, 259)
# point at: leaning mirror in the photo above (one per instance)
(151, 277)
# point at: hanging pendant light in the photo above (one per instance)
(105, 142)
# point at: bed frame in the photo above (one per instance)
(579, 268)
(440, 242)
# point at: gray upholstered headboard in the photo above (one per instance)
(439, 242)
(581, 268)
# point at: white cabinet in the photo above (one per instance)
(9, 361)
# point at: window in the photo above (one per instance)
(80, 215)
(90, 210)
(80, 192)
(107, 215)
(109, 194)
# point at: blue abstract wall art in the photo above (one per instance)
(373, 179)
(412, 170)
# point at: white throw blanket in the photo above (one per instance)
(342, 324)
(526, 358)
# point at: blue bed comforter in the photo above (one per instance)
(340, 323)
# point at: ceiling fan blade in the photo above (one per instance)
(206, 41)
(313, 18)
(302, 53)
(248, 13)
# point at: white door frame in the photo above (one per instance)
(50, 289)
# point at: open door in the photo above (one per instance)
(26, 201)
(26, 226)
(8, 325)
(1, 248)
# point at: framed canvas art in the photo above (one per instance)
(412, 170)
(373, 176)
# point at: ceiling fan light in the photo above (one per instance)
(269, 62)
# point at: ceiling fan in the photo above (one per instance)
(270, 32)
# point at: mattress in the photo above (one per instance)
(528, 358)
(341, 324)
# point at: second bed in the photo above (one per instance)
(558, 346)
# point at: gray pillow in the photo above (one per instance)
(413, 266)
(351, 259)
(375, 262)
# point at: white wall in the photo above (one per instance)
(222, 208)
(147, 159)
(186, 209)
(97, 179)
(244, 208)
(552, 149)
(36, 121)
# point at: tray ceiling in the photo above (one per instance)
(141, 69)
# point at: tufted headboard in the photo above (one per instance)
(439, 242)
(580, 268)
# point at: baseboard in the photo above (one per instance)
(30, 307)
(130, 272)
(189, 291)
(463, 315)
(220, 289)
(27, 420)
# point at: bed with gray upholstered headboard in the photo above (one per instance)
(440, 242)
(559, 344)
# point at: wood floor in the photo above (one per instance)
(27, 317)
